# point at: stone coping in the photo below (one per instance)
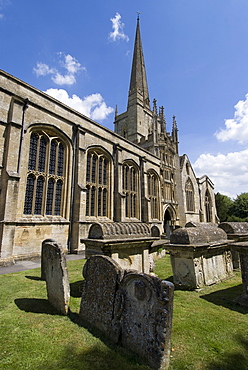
(198, 247)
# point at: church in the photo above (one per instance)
(61, 171)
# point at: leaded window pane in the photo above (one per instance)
(105, 164)
(61, 154)
(33, 151)
(87, 200)
(88, 168)
(104, 201)
(92, 201)
(39, 195)
(29, 195)
(100, 170)
(49, 200)
(52, 162)
(93, 169)
(58, 198)
(42, 155)
(100, 202)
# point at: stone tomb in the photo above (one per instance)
(200, 256)
(237, 231)
(54, 271)
(242, 249)
(133, 309)
(128, 243)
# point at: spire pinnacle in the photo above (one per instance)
(138, 81)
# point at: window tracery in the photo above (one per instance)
(46, 175)
(189, 191)
(130, 190)
(153, 194)
(97, 184)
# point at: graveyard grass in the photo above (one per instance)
(209, 331)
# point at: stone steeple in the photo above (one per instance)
(136, 123)
(138, 82)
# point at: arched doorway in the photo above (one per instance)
(167, 224)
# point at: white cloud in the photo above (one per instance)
(43, 69)
(118, 29)
(59, 79)
(229, 173)
(237, 127)
(92, 106)
(69, 63)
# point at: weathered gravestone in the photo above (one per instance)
(238, 232)
(133, 309)
(200, 256)
(55, 272)
(128, 243)
(242, 249)
(101, 276)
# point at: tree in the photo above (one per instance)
(223, 206)
(240, 207)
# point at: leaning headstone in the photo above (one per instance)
(146, 319)
(56, 275)
(132, 309)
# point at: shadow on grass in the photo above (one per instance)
(226, 297)
(231, 361)
(76, 289)
(34, 278)
(36, 305)
(94, 358)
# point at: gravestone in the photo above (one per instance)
(132, 309)
(55, 272)
(101, 276)
(128, 243)
(242, 249)
(147, 317)
(238, 232)
(200, 256)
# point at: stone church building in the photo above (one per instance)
(61, 171)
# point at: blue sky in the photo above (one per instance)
(196, 54)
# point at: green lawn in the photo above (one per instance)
(209, 332)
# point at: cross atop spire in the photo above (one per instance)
(138, 81)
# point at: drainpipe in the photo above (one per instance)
(24, 108)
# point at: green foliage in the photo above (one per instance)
(232, 210)
(240, 206)
(209, 331)
(223, 206)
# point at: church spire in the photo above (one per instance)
(138, 82)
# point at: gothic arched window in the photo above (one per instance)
(189, 191)
(97, 184)
(46, 175)
(208, 206)
(130, 189)
(153, 194)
